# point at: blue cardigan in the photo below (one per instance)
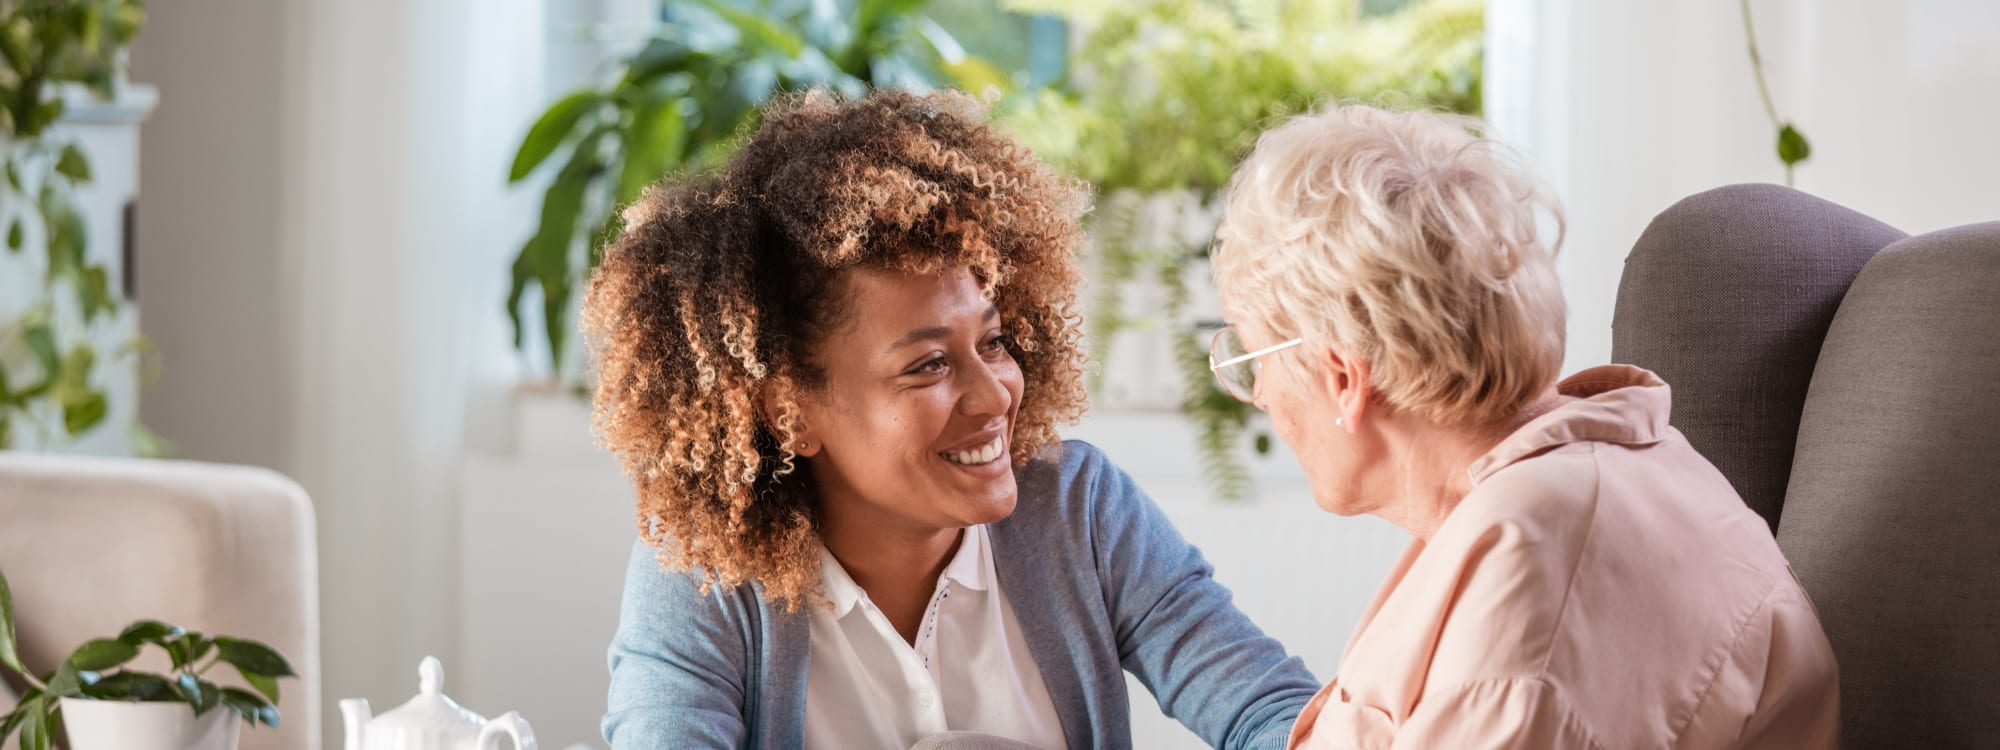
(1099, 580)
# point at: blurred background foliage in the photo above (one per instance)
(1141, 98)
(51, 53)
(1166, 96)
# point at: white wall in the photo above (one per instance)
(1629, 107)
(323, 247)
(1901, 99)
(209, 227)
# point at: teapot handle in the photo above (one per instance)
(510, 725)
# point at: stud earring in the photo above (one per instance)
(1340, 421)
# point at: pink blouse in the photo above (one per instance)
(1602, 586)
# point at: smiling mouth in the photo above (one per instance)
(980, 456)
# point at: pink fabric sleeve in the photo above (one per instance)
(1508, 714)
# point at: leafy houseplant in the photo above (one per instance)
(677, 105)
(1165, 96)
(46, 355)
(96, 671)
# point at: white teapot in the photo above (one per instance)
(430, 721)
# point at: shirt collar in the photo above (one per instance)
(1617, 404)
(970, 567)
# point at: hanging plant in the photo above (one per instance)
(47, 360)
(1792, 145)
(1168, 95)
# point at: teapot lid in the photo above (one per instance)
(430, 710)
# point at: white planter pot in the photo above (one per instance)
(116, 725)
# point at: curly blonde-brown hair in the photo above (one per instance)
(712, 300)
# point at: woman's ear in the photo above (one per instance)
(769, 404)
(1349, 385)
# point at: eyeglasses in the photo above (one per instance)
(1236, 368)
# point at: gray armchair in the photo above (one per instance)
(1846, 378)
(91, 544)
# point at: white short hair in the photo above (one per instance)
(1409, 240)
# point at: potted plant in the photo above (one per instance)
(59, 303)
(100, 704)
(677, 103)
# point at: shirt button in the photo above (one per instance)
(925, 700)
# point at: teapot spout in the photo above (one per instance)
(354, 714)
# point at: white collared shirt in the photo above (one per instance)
(969, 670)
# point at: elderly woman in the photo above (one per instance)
(1579, 577)
(834, 372)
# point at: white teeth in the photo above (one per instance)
(984, 454)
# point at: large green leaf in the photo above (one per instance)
(126, 20)
(198, 693)
(519, 274)
(661, 55)
(44, 114)
(551, 130)
(758, 28)
(73, 164)
(181, 650)
(41, 340)
(83, 405)
(65, 683)
(76, 367)
(249, 706)
(1792, 146)
(93, 293)
(871, 15)
(65, 232)
(8, 654)
(128, 685)
(35, 725)
(656, 143)
(199, 649)
(545, 259)
(252, 657)
(85, 413)
(14, 40)
(148, 631)
(555, 322)
(101, 654)
(266, 685)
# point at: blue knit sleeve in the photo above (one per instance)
(678, 663)
(1178, 630)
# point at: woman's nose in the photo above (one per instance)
(987, 393)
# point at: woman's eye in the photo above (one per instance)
(930, 366)
(996, 345)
